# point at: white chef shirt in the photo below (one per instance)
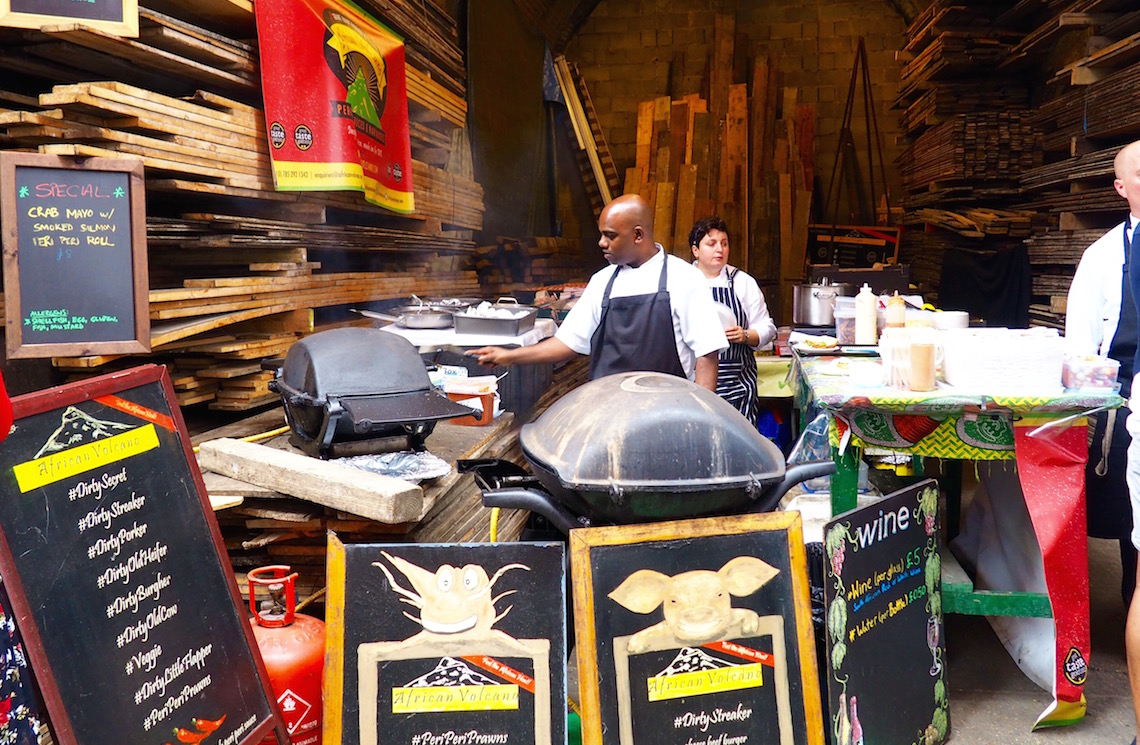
(1092, 310)
(696, 326)
(750, 296)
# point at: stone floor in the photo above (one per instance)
(991, 701)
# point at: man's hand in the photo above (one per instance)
(547, 350)
(493, 356)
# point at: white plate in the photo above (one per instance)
(727, 317)
(804, 348)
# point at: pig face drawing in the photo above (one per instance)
(697, 604)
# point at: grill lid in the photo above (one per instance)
(378, 377)
(649, 431)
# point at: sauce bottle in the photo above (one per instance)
(896, 312)
(866, 317)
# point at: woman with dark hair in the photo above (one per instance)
(747, 323)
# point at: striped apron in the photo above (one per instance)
(736, 371)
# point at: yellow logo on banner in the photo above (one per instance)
(666, 687)
(86, 457)
(455, 698)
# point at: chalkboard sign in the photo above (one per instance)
(116, 572)
(430, 643)
(885, 640)
(696, 632)
(119, 17)
(75, 271)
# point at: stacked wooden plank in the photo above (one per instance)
(512, 265)
(431, 40)
(965, 104)
(1095, 166)
(948, 99)
(596, 164)
(1097, 110)
(238, 268)
(212, 139)
(975, 222)
(951, 55)
(972, 148)
(1059, 247)
(924, 251)
(752, 165)
(1083, 128)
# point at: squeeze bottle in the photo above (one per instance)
(896, 312)
(866, 317)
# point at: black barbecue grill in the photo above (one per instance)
(640, 447)
(354, 386)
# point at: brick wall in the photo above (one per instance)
(628, 49)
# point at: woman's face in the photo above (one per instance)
(712, 252)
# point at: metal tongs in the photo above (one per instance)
(1065, 420)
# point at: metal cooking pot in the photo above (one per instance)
(814, 304)
(643, 447)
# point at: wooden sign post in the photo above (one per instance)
(75, 270)
(886, 642)
(696, 632)
(445, 644)
(117, 575)
(119, 17)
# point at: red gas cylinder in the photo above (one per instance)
(293, 648)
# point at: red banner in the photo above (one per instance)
(336, 104)
(1052, 471)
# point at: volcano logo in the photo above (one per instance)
(358, 65)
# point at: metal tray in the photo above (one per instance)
(468, 324)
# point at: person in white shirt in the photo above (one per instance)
(1101, 319)
(647, 311)
(1127, 184)
(747, 323)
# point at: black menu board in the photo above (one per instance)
(114, 565)
(696, 632)
(445, 644)
(75, 274)
(885, 637)
(113, 16)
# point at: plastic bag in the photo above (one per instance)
(813, 446)
(409, 466)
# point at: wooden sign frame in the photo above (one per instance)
(17, 346)
(481, 650)
(128, 26)
(758, 560)
(886, 636)
(57, 485)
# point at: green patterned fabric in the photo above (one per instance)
(944, 423)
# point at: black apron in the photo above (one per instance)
(736, 368)
(635, 333)
(1109, 508)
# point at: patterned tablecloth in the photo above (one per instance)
(956, 424)
(944, 423)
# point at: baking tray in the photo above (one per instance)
(468, 324)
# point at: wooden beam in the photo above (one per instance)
(327, 483)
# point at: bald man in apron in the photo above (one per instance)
(1101, 320)
(647, 311)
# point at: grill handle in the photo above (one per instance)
(529, 499)
(794, 475)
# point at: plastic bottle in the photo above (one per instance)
(896, 312)
(866, 317)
